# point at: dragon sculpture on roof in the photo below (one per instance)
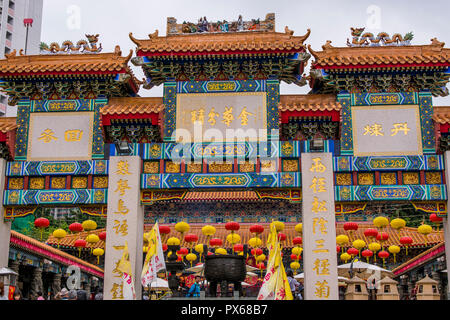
(361, 39)
(67, 46)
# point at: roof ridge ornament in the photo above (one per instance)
(360, 39)
(205, 26)
(67, 47)
(437, 43)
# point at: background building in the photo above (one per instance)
(13, 33)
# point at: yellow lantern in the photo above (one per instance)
(191, 257)
(221, 251)
(199, 248)
(342, 240)
(299, 228)
(295, 265)
(278, 225)
(146, 235)
(374, 247)
(297, 251)
(425, 229)
(89, 225)
(233, 238)
(394, 250)
(92, 238)
(208, 230)
(59, 234)
(380, 222)
(398, 224)
(260, 258)
(255, 242)
(345, 257)
(359, 244)
(98, 252)
(145, 249)
(173, 241)
(182, 227)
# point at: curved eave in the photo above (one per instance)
(144, 53)
(378, 66)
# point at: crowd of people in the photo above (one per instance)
(64, 294)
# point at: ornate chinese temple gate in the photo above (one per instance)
(222, 143)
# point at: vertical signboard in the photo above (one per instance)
(124, 224)
(319, 229)
(446, 222)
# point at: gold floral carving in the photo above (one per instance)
(410, 178)
(194, 167)
(290, 165)
(37, 183)
(151, 167)
(79, 182)
(220, 167)
(388, 178)
(343, 163)
(268, 166)
(172, 167)
(100, 182)
(365, 179)
(343, 179)
(15, 184)
(247, 167)
(433, 177)
(58, 183)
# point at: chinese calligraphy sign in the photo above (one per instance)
(221, 112)
(68, 137)
(124, 224)
(386, 130)
(319, 230)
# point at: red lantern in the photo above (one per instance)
(41, 223)
(238, 248)
(165, 247)
(352, 251)
(232, 226)
(80, 243)
(406, 241)
(256, 252)
(256, 228)
(371, 232)
(382, 236)
(76, 227)
(215, 242)
(367, 254)
(191, 238)
(338, 249)
(261, 266)
(350, 226)
(281, 237)
(210, 253)
(164, 229)
(295, 257)
(180, 258)
(102, 235)
(297, 241)
(383, 255)
(435, 219)
(183, 251)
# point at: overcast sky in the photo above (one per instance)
(328, 20)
